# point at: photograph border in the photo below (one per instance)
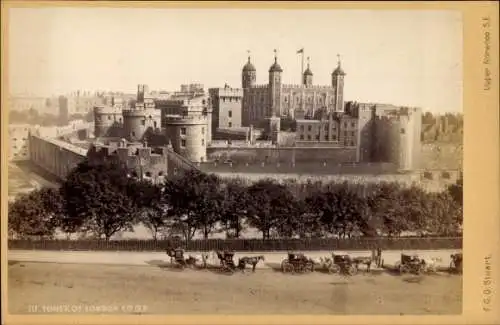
(481, 168)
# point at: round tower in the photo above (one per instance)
(188, 135)
(307, 77)
(137, 122)
(108, 121)
(275, 86)
(248, 75)
(338, 86)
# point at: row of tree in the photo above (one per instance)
(103, 200)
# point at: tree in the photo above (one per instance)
(456, 191)
(234, 206)
(382, 204)
(444, 215)
(196, 200)
(152, 209)
(97, 199)
(271, 207)
(36, 214)
(340, 209)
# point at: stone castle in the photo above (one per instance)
(156, 134)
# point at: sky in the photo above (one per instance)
(400, 57)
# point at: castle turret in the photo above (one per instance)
(307, 77)
(338, 86)
(248, 75)
(275, 87)
(107, 121)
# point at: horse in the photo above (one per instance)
(431, 263)
(203, 258)
(253, 260)
(363, 260)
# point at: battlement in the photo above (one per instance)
(259, 86)
(226, 92)
(318, 87)
(108, 110)
(185, 119)
(141, 113)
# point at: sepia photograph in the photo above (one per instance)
(167, 161)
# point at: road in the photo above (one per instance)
(54, 288)
(272, 259)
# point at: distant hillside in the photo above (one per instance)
(446, 128)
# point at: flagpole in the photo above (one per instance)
(302, 66)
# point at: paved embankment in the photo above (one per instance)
(272, 259)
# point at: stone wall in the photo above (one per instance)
(283, 154)
(55, 156)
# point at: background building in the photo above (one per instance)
(226, 107)
(293, 101)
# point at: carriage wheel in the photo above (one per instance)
(404, 269)
(351, 270)
(333, 268)
(310, 267)
(286, 267)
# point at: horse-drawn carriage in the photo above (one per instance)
(226, 259)
(341, 264)
(177, 256)
(297, 263)
(411, 264)
(456, 263)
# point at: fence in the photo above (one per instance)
(402, 243)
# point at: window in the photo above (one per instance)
(183, 143)
(301, 137)
(229, 124)
(202, 130)
(345, 124)
(326, 137)
(155, 124)
(334, 137)
(143, 122)
(230, 113)
(309, 128)
(148, 174)
(133, 134)
(352, 133)
(326, 127)
(352, 143)
(317, 137)
(402, 131)
(353, 124)
(308, 137)
(183, 131)
(109, 117)
(445, 175)
(202, 142)
(301, 128)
